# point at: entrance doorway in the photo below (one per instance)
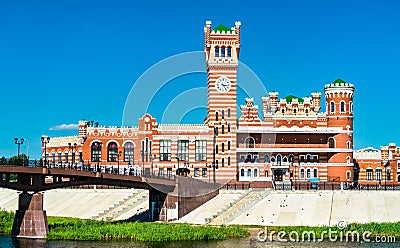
(278, 175)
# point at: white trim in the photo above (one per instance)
(123, 144)
(291, 150)
(108, 142)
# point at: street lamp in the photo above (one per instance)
(97, 146)
(385, 164)
(119, 155)
(19, 143)
(178, 158)
(72, 147)
(45, 140)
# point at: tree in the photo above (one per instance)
(23, 160)
(3, 160)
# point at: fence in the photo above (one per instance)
(237, 186)
(336, 185)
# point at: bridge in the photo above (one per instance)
(170, 197)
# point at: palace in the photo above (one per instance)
(292, 140)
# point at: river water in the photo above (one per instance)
(8, 242)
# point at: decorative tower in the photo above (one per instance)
(339, 108)
(221, 46)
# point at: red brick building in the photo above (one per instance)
(292, 140)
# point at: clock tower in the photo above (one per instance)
(221, 46)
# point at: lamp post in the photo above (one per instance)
(19, 143)
(45, 140)
(72, 147)
(98, 145)
(178, 158)
(385, 164)
(119, 155)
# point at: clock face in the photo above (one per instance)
(223, 84)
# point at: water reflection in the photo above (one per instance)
(8, 242)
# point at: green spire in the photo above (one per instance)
(290, 98)
(222, 28)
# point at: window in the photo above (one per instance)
(266, 173)
(348, 144)
(216, 131)
(308, 158)
(272, 159)
(223, 129)
(229, 50)
(128, 152)
(66, 157)
(222, 51)
(229, 161)
(161, 172)
(279, 159)
(308, 173)
(249, 142)
(112, 150)
(388, 178)
(370, 175)
(223, 147)
(348, 175)
(248, 158)
(255, 172)
(332, 107)
(301, 158)
(216, 149)
(169, 172)
(59, 157)
(165, 150)
(291, 158)
(204, 172)
(223, 114)
(242, 172)
(301, 173)
(183, 150)
(348, 160)
(216, 116)
(315, 158)
(285, 159)
(378, 174)
(80, 157)
(242, 158)
(331, 142)
(315, 174)
(229, 112)
(201, 150)
(229, 127)
(196, 172)
(248, 172)
(283, 111)
(255, 157)
(266, 159)
(53, 157)
(342, 107)
(223, 162)
(96, 152)
(217, 51)
(351, 107)
(229, 145)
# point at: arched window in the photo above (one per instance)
(279, 159)
(249, 142)
(291, 158)
(332, 107)
(348, 144)
(301, 173)
(272, 159)
(229, 145)
(255, 172)
(229, 51)
(348, 160)
(342, 107)
(217, 51)
(266, 160)
(216, 116)
(222, 51)
(223, 114)
(285, 159)
(128, 152)
(283, 110)
(348, 175)
(242, 172)
(248, 158)
(331, 143)
(388, 177)
(398, 178)
(112, 151)
(248, 172)
(229, 112)
(351, 107)
(308, 173)
(315, 174)
(96, 151)
(308, 158)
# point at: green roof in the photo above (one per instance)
(290, 98)
(222, 28)
(338, 82)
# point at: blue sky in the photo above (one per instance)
(61, 61)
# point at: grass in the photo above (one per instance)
(75, 229)
(6, 221)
